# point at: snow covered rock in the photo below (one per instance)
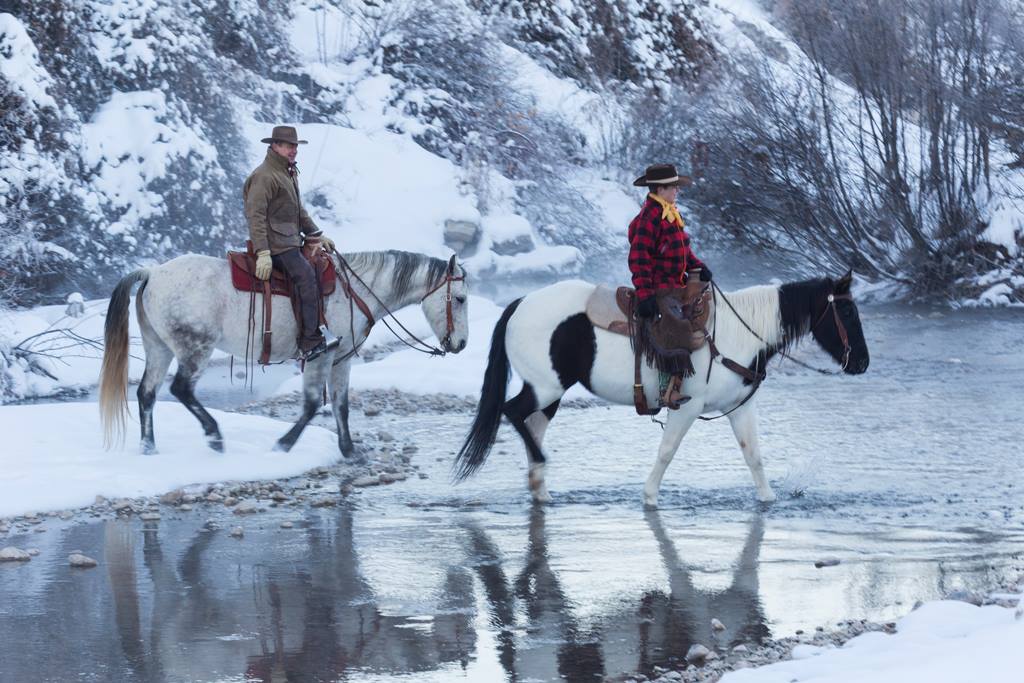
(12, 554)
(76, 305)
(81, 561)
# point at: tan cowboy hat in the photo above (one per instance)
(662, 174)
(284, 134)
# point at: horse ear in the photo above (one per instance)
(843, 285)
(451, 264)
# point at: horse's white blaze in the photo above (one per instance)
(528, 338)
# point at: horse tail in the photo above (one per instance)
(114, 372)
(492, 398)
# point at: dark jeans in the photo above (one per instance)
(305, 285)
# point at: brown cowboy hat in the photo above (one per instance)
(284, 134)
(662, 174)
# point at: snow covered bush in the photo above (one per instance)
(647, 44)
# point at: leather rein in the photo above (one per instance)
(345, 274)
(758, 376)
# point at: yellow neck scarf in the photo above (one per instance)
(669, 212)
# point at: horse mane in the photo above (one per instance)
(758, 307)
(405, 265)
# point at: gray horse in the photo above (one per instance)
(188, 307)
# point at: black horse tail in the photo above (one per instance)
(492, 399)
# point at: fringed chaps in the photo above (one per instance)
(667, 342)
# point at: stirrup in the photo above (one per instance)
(673, 399)
(329, 343)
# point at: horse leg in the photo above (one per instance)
(158, 359)
(339, 406)
(183, 388)
(524, 406)
(537, 422)
(313, 379)
(678, 423)
(744, 426)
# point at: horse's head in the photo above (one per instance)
(835, 325)
(446, 308)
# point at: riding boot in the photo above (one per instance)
(304, 283)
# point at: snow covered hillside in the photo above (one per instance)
(507, 132)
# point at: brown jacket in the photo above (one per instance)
(273, 207)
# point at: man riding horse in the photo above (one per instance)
(279, 228)
(661, 260)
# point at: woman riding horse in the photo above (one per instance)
(660, 259)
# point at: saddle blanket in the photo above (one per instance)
(605, 308)
(243, 277)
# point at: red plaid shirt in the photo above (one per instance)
(659, 252)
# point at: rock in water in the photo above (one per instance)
(245, 507)
(697, 654)
(12, 554)
(717, 625)
(827, 562)
(149, 516)
(79, 560)
(237, 532)
(366, 481)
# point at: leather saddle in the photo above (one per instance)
(683, 313)
(243, 273)
(243, 278)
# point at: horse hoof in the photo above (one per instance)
(767, 499)
(147, 449)
(542, 498)
(216, 443)
(282, 447)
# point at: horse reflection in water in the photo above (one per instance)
(343, 630)
(657, 632)
(313, 621)
(305, 610)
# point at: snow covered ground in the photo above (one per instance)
(53, 457)
(940, 642)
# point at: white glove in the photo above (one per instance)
(263, 264)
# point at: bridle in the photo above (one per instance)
(756, 378)
(345, 271)
(449, 278)
(844, 337)
(840, 328)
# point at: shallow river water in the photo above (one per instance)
(910, 475)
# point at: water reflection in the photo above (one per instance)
(672, 622)
(656, 629)
(176, 602)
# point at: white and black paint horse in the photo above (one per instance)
(188, 307)
(549, 341)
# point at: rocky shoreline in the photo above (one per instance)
(708, 664)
